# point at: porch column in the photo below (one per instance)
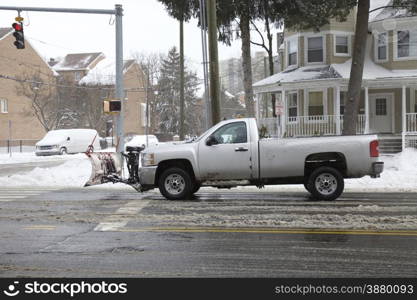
(366, 110)
(284, 113)
(337, 109)
(404, 111)
(258, 106)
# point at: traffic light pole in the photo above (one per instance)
(118, 12)
(119, 78)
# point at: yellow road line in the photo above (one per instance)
(273, 231)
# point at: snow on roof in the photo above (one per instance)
(5, 31)
(104, 73)
(371, 70)
(299, 74)
(374, 4)
(77, 61)
(387, 12)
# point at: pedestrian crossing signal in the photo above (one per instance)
(112, 106)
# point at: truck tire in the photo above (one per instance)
(175, 184)
(325, 183)
(306, 186)
(196, 187)
(63, 151)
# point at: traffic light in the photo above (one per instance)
(112, 106)
(18, 34)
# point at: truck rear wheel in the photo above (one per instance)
(306, 186)
(325, 183)
(175, 184)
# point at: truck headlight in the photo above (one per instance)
(148, 159)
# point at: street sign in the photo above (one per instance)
(279, 107)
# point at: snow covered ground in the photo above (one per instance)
(26, 157)
(400, 174)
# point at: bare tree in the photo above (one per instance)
(43, 99)
(150, 65)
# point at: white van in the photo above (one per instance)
(65, 141)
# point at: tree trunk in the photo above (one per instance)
(247, 63)
(270, 54)
(214, 62)
(356, 71)
(271, 68)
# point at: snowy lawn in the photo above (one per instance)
(400, 174)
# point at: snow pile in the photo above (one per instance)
(30, 157)
(400, 174)
(73, 173)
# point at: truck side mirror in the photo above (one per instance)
(68, 138)
(211, 140)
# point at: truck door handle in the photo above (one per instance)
(241, 149)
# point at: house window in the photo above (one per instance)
(343, 96)
(292, 52)
(381, 107)
(4, 106)
(315, 49)
(143, 114)
(406, 43)
(77, 76)
(342, 44)
(382, 46)
(292, 105)
(415, 101)
(315, 104)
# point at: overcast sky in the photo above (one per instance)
(146, 27)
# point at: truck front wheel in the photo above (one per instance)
(175, 184)
(326, 183)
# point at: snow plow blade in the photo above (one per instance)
(106, 167)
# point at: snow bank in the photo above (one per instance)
(28, 157)
(73, 173)
(400, 175)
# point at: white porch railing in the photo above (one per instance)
(307, 126)
(411, 123)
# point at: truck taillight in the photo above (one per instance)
(374, 148)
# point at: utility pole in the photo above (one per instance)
(182, 80)
(203, 24)
(119, 78)
(214, 61)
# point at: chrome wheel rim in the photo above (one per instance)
(326, 184)
(174, 184)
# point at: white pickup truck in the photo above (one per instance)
(232, 154)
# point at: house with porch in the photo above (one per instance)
(312, 86)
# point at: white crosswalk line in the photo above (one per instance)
(122, 216)
(10, 194)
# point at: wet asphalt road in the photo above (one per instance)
(120, 233)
